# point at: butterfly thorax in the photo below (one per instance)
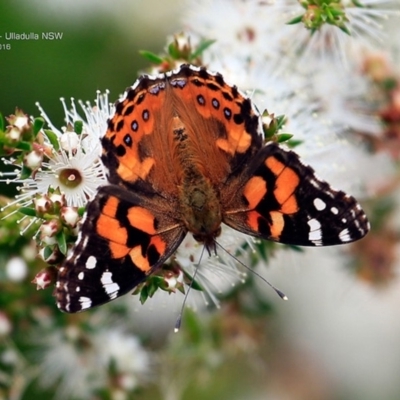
(199, 200)
(201, 210)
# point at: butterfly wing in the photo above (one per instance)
(282, 200)
(142, 147)
(124, 238)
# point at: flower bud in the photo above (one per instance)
(51, 257)
(44, 278)
(33, 160)
(69, 141)
(49, 229)
(42, 204)
(70, 216)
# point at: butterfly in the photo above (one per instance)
(185, 153)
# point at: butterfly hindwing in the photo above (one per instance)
(283, 200)
(123, 239)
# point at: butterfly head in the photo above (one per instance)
(208, 240)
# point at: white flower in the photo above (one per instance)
(75, 166)
(241, 31)
(257, 31)
(80, 363)
(329, 43)
(77, 175)
(69, 141)
(216, 275)
(124, 351)
(16, 269)
(21, 122)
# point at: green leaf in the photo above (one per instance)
(25, 172)
(144, 294)
(2, 123)
(53, 139)
(78, 127)
(153, 287)
(294, 143)
(173, 51)
(344, 29)
(389, 83)
(270, 130)
(81, 211)
(295, 248)
(47, 252)
(295, 20)
(280, 119)
(203, 45)
(357, 3)
(264, 249)
(193, 326)
(195, 284)
(62, 242)
(37, 125)
(151, 57)
(283, 137)
(24, 146)
(31, 212)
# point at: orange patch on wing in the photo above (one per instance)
(238, 140)
(286, 184)
(110, 208)
(159, 244)
(137, 258)
(255, 190)
(225, 146)
(244, 143)
(252, 220)
(277, 224)
(142, 219)
(131, 170)
(290, 205)
(274, 165)
(118, 250)
(109, 228)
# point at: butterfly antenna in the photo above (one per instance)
(277, 291)
(179, 319)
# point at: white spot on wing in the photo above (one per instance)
(344, 235)
(109, 285)
(334, 210)
(315, 234)
(85, 302)
(85, 242)
(315, 183)
(319, 204)
(81, 275)
(91, 262)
